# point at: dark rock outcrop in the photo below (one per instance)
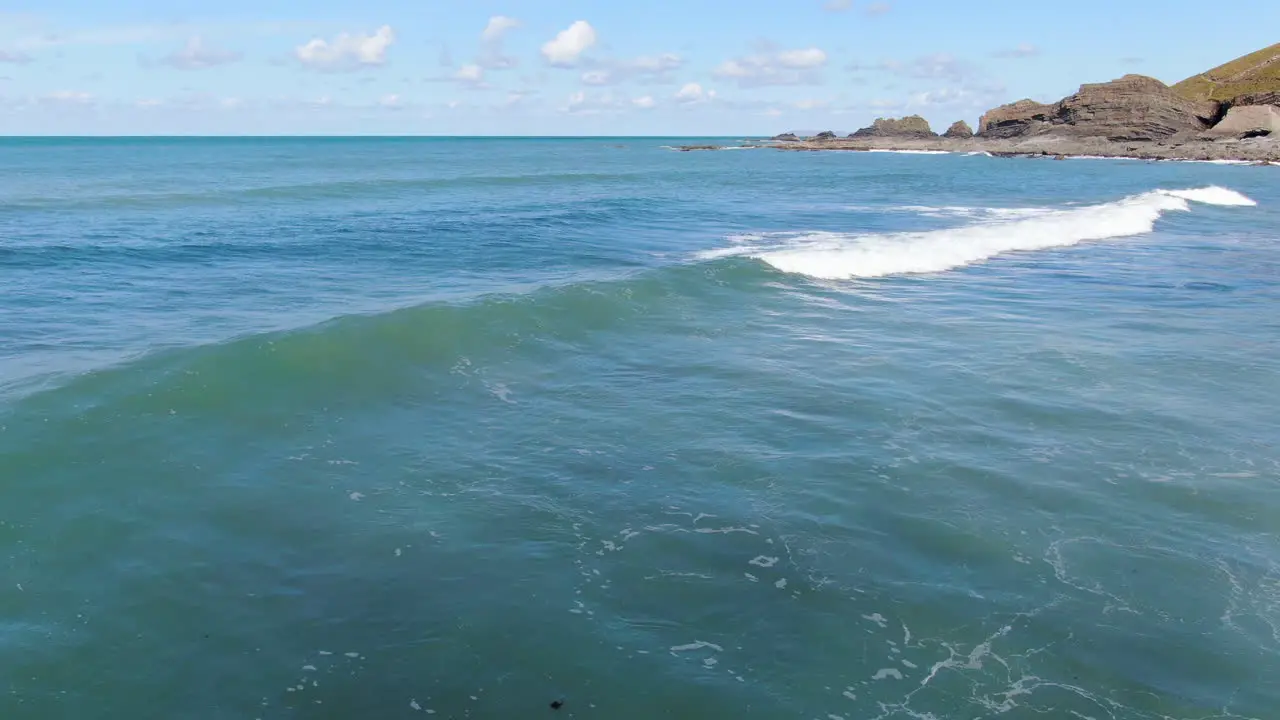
(1133, 108)
(959, 130)
(786, 137)
(1024, 117)
(825, 135)
(1259, 98)
(912, 126)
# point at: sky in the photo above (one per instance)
(576, 67)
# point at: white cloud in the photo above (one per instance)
(15, 58)
(802, 59)
(939, 66)
(979, 97)
(877, 9)
(786, 67)
(580, 103)
(647, 69)
(347, 51)
(1023, 50)
(810, 104)
(67, 97)
(497, 27)
(577, 101)
(569, 44)
(391, 101)
(583, 102)
(41, 36)
(491, 55)
(837, 5)
(470, 74)
(196, 55)
(515, 97)
(655, 64)
(692, 93)
(149, 103)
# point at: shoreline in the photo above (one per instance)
(1255, 151)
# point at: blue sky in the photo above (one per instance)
(573, 67)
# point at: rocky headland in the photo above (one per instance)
(1230, 113)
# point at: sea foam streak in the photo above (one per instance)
(838, 256)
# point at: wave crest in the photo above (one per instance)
(838, 256)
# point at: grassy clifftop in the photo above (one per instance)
(1252, 74)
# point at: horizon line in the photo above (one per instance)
(370, 136)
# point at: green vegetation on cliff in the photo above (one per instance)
(1252, 75)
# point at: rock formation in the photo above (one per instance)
(786, 137)
(1246, 121)
(1258, 98)
(825, 135)
(912, 126)
(1024, 117)
(959, 130)
(1133, 108)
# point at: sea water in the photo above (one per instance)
(375, 428)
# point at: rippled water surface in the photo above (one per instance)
(379, 428)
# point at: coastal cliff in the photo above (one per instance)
(1229, 113)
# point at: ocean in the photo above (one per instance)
(381, 428)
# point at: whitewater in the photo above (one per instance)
(831, 255)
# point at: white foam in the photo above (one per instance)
(1103, 157)
(1220, 162)
(696, 645)
(839, 256)
(913, 152)
(944, 211)
(1212, 195)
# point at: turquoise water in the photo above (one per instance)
(380, 428)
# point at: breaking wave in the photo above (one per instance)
(838, 256)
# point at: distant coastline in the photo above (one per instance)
(1228, 114)
(1251, 152)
